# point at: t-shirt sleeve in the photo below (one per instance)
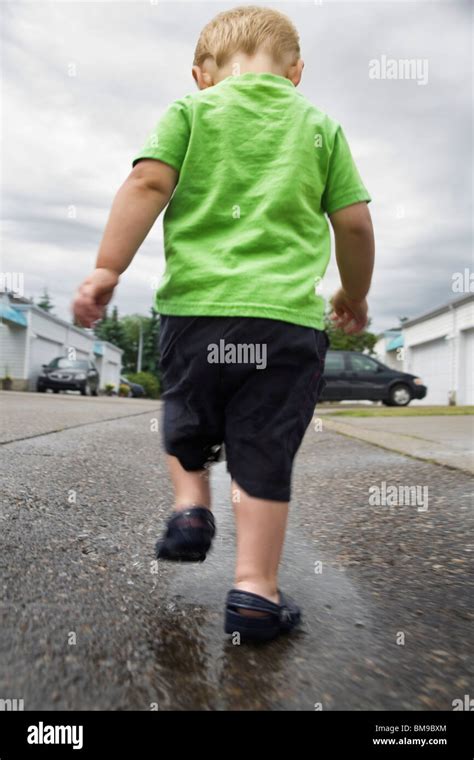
(343, 184)
(168, 141)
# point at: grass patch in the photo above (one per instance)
(405, 411)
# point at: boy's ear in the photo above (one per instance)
(296, 71)
(202, 79)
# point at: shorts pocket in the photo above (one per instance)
(321, 344)
(313, 392)
(316, 383)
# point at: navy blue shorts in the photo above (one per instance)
(250, 383)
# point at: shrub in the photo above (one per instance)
(149, 382)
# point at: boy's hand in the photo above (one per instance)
(347, 314)
(93, 295)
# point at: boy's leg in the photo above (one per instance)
(267, 413)
(261, 526)
(193, 431)
(190, 488)
(190, 530)
(192, 419)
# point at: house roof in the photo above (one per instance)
(17, 314)
(440, 310)
(108, 343)
(33, 307)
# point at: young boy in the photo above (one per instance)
(247, 168)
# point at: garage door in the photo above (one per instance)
(466, 362)
(110, 374)
(432, 362)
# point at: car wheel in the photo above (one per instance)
(400, 395)
(95, 392)
(40, 390)
(86, 390)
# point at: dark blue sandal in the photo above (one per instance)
(278, 618)
(188, 536)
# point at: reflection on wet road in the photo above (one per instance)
(203, 669)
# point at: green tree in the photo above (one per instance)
(44, 302)
(340, 341)
(111, 330)
(151, 352)
(125, 333)
(131, 329)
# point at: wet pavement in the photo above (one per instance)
(89, 621)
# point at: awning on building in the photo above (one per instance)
(395, 343)
(9, 314)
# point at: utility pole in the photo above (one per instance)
(140, 346)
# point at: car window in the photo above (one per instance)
(334, 362)
(361, 363)
(61, 363)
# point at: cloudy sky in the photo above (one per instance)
(84, 82)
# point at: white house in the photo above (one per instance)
(30, 337)
(439, 347)
(389, 349)
(108, 360)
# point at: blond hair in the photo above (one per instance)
(247, 29)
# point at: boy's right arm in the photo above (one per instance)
(138, 203)
(355, 247)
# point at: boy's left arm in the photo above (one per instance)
(137, 205)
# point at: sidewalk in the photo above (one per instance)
(448, 441)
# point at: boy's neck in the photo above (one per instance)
(260, 63)
(208, 74)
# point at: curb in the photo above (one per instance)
(411, 447)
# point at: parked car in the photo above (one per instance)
(63, 374)
(136, 390)
(353, 376)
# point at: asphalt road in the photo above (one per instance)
(87, 623)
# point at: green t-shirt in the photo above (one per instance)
(245, 232)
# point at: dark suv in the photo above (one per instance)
(63, 374)
(352, 376)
